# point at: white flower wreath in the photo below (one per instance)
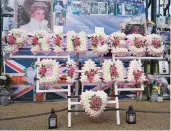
(113, 71)
(135, 72)
(16, 39)
(94, 103)
(71, 71)
(48, 71)
(76, 42)
(137, 44)
(155, 45)
(90, 73)
(99, 43)
(40, 42)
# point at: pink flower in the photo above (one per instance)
(11, 40)
(137, 75)
(115, 41)
(34, 40)
(114, 71)
(95, 103)
(77, 41)
(58, 40)
(138, 43)
(42, 71)
(90, 76)
(71, 71)
(156, 43)
(94, 41)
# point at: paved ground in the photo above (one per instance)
(145, 121)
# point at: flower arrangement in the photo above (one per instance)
(40, 42)
(76, 42)
(117, 43)
(113, 71)
(155, 45)
(71, 71)
(90, 73)
(48, 71)
(137, 44)
(16, 39)
(57, 43)
(135, 72)
(99, 43)
(94, 102)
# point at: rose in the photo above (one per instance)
(95, 103)
(11, 40)
(114, 71)
(77, 41)
(137, 75)
(156, 43)
(35, 40)
(101, 40)
(71, 71)
(58, 40)
(138, 43)
(115, 41)
(94, 41)
(42, 71)
(90, 75)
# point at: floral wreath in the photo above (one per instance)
(155, 45)
(57, 42)
(16, 39)
(135, 72)
(48, 71)
(71, 71)
(94, 103)
(113, 71)
(137, 44)
(99, 43)
(117, 43)
(40, 42)
(76, 42)
(90, 73)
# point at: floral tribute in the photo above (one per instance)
(94, 102)
(40, 42)
(15, 39)
(71, 71)
(137, 44)
(113, 71)
(135, 72)
(99, 43)
(118, 44)
(48, 71)
(76, 42)
(57, 42)
(90, 73)
(155, 46)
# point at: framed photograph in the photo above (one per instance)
(135, 29)
(8, 6)
(119, 9)
(165, 36)
(128, 9)
(102, 8)
(34, 15)
(94, 8)
(8, 23)
(111, 8)
(161, 21)
(135, 10)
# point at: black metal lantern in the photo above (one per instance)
(52, 120)
(131, 116)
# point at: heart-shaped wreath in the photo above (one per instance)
(94, 103)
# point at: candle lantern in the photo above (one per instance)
(52, 120)
(131, 116)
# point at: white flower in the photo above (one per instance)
(3, 77)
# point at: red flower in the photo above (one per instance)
(137, 74)
(90, 75)
(34, 40)
(71, 71)
(95, 103)
(58, 40)
(156, 43)
(114, 71)
(11, 40)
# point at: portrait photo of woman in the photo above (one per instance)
(39, 17)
